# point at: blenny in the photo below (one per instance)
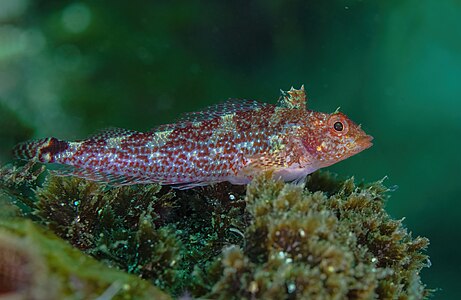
(231, 142)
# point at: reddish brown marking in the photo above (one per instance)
(54, 147)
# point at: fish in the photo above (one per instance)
(233, 141)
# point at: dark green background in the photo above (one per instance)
(70, 68)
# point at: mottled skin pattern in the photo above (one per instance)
(231, 142)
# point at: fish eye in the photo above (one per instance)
(338, 126)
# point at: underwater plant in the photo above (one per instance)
(329, 239)
(122, 226)
(316, 243)
(156, 233)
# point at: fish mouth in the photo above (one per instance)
(364, 142)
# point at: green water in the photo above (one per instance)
(68, 69)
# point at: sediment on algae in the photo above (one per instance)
(331, 239)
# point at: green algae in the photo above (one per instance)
(307, 245)
(331, 239)
(36, 264)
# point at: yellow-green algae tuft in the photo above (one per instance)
(304, 244)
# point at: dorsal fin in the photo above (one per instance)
(293, 99)
(164, 127)
(214, 111)
(112, 132)
(229, 107)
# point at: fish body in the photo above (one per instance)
(231, 142)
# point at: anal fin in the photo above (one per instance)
(97, 176)
(189, 185)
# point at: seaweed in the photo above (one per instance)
(329, 239)
(121, 226)
(308, 245)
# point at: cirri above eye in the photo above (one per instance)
(338, 126)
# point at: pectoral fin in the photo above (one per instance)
(263, 163)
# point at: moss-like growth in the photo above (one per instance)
(156, 233)
(123, 226)
(307, 245)
(271, 240)
(35, 264)
(17, 183)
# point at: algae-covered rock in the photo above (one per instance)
(35, 264)
(330, 239)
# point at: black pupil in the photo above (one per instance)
(338, 126)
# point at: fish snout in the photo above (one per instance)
(364, 142)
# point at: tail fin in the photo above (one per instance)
(43, 150)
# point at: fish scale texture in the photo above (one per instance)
(231, 142)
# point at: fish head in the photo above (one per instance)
(330, 138)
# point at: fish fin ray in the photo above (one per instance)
(218, 110)
(120, 179)
(97, 176)
(189, 185)
(165, 127)
(214, 111)
(301, 180)
(264, 162)
(112, 132)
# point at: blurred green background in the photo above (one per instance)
(70, 68)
